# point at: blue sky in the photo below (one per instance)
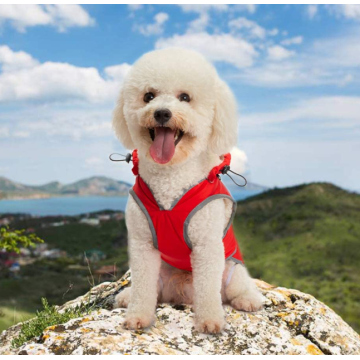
(293, 69)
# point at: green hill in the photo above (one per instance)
(306, 237)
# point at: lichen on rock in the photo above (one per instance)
(290, 323)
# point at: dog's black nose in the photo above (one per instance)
(162, 116)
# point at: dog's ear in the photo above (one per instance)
(120, 125)
(224, 128)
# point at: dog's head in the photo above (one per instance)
(173, 106)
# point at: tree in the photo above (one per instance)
(13, 240)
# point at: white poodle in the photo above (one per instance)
(181, 118)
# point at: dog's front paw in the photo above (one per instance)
(138, 321)
(210, 326)
(122, 299)
(251, 301)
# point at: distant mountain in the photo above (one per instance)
(53, 186)
(96, 185)
(7, 185)
(305, 237)
(249, 186)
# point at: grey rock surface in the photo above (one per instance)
(290, 323)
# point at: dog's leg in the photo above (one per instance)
(241, 292)
(145, 268)
(208, 262)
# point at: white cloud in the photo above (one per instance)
(311, 11)
(278, 52)
(203, 8)
(251, 28)
(22, 16)
(273, 32)
(55, 81)
(338, 52)
(293, 41)
(349, 11)
(239, 160)
(254, 29)
(11, 60)
(117, 72)
(135, 7)
(24, 78)
(155, 28)
(59, 122)
(199, 24)
(251, 8)
(217, 47)
(331, 61)
(335, 111)
(287, 74)
(60, 16)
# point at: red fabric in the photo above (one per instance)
(169, 224)
(135, 161)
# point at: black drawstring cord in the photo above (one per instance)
(127, 157)
(225, 171)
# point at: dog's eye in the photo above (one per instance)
(184, 97)
(149, 96)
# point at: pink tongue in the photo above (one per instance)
(163, 148)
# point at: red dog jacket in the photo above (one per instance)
(169, 228)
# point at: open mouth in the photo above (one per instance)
(164, 140)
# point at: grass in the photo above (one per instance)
(46, 317)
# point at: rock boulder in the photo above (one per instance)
(290, 323)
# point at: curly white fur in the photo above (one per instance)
(209, 122)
